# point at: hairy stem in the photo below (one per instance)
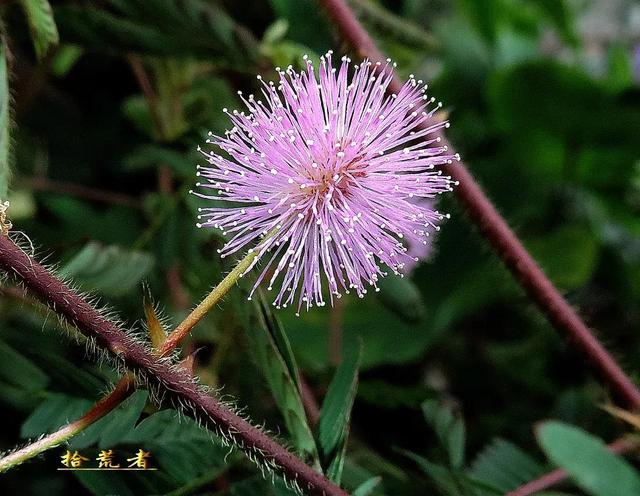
(173, 383)
(116, 397)
(502, 239)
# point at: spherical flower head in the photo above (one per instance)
(325, 176)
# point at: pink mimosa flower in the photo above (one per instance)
(327, 177)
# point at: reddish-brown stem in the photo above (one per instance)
(502, 239)
(124, 388)
(149, 93)
(79, 191)
(309, 403)
(619, 446)
(177, 291)
(173, 383)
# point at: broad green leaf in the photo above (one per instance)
(504, 466)
(109, 269)
(335, 415)
(448, 427)
(587, 460)
(402, 297)
(43, 26)
(272, 352)
(5, 121)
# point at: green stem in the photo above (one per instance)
(216, 294)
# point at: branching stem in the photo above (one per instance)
(173, 383)
(122, 391)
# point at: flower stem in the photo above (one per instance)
(500, 236)
(198, 313)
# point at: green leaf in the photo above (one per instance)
(272, 352)
(109, 269)
(182, 448)
(65, 59)
(441, 475)
(151, 156)
(120, 424)
(19, 371)
(43, 26)
(568, 255)
(586, 458)
(402, 297)
(504, 466)
(364, 319)
(335, 415)
(54, 412)
(158, 27)
(113, 427)
(620, 67)
(258, 486)
(300, 14)
(276, 31)
(448, 427)
(367, 487)
(5, 121)
(103, 483)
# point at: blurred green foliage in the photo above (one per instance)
(444, 375)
